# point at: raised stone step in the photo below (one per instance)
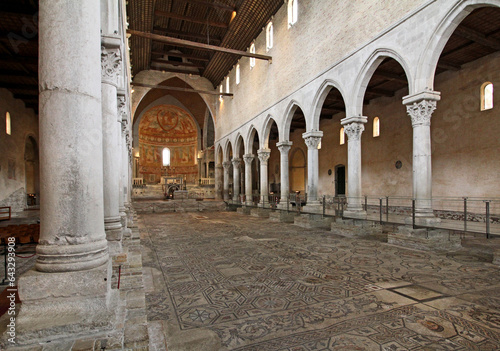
(244, 210)
(424, 239)
(358, 228)
(282, 216)
(260, 212)
(313, 221)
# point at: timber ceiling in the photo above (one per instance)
(211, 22)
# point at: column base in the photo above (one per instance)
(114, 234)
(423, 218)
(56, 305)
(356, 214)
(248, 203)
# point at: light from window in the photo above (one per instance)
(319, 145)
(269, 36)
(292, 12)
(237, 74)
(7, 123)
(221, 90)
(376, 127)
(487, 96)
(227, 85)
(166, 156)
(252, 59)
(342, 136)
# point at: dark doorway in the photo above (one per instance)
(340, 180)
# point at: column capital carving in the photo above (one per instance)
(312, 139)
(284, 146)
(236, 162)
(248, 158)
(111, 61)
(354, 130)
(264, 155)
(226, 165)
(421, 112)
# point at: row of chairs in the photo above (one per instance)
(24, 233)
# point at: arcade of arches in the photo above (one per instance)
(369, 111)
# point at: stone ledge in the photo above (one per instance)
(282, 216)
(313, 221)
(424, 239)
(260, 212)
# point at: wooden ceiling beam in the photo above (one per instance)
(189, 57)
(17, 74)
(379, 91)
(188, 90)
(175, 63)
(26, 97)
(172, 32)
(195, 45)
(19, 59)
(174, 70)
(215, 5)
(448, 65)
(190, 19)
(14, 86)
(477, 37)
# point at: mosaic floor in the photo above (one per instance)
(260, 285)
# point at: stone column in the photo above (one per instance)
(207, 169)
(248, 158)
(69, 289)
(200, 167)
(420, 108)
(111, 136)
(353, 128)
(264, 155)
(218, 182)
(284, 147)
(236, 179)
(226, 165)
(312, 140)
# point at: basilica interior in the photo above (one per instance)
(249, 175)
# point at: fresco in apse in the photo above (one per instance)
(168, 126)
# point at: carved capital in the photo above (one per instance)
(226, 165)
(354, 130)
(284, 146)
(236, 162)
(264, 155)
(421, 112)
(312, 142)
(122, 108)
(248, 158)
(111, 61)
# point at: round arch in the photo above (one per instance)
(238, 143)
(366, 74)
(319, 100)
(267, 130)
(219, 155)
(289, 112)
(227, 150)
(427, 65)
(249, 141)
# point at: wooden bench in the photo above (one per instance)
(5, 213)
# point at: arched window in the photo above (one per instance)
(237, 74)
(252, 59)
(342, 136)
(269, 36)
(7, 123)
(292, 12)
(486, 96)
(376, 127)
(227, 84)
(166, 156)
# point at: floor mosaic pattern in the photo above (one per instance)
(268, 286)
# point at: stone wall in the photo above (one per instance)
(24, 123)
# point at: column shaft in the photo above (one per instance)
(236, 179)
(264, 155)
(218, 182)
(72, 224)
(284, 148)
(248, 179)
(354, 130)
(312, 140)
(226, 165)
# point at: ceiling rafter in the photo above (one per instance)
(190, 19)
(172, 32)
(176, 54)
(163, 87)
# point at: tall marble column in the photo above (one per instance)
(264, 155)
(248, 158)
(353, 128)
(200, 168)
(227, 168)
(284, 147)
(111, 137)
(69, 289)
(236, 179)
(312, 139)
(218, 182)
(420, 108)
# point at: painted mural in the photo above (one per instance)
(168, 126)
